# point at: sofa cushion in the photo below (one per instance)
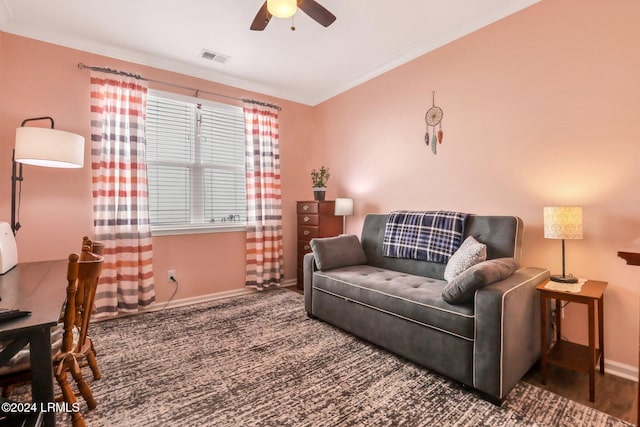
(463, 287)
(468, 254)
(412, 297)
(336, 252)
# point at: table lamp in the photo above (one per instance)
(344, 208)
(563, 222)
(46, 147)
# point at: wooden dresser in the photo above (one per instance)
(315, 219)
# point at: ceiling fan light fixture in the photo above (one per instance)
(282, 8)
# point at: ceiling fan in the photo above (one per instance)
(287, 8)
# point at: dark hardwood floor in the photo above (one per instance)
(614, 395)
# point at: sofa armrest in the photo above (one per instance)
(508, 326)
(308, 267)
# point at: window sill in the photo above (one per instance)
(174, 230)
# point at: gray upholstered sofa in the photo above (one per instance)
(488, 343)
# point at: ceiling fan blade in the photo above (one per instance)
(262, 19)
(317, 12)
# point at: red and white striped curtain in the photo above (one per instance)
(120, 193)
(265, 265)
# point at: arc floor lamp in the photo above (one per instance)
(40, 146)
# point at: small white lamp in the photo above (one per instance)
(564, 222)
(46, 147)
(344, 208)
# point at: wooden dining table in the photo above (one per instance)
(38, 287)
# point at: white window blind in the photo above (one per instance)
(195, 162)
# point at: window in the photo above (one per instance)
(195, 164)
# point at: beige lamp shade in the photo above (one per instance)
(563, 222)
(282, 8)
(49, 147)
(344, 207)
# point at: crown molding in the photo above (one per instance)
(487, 18)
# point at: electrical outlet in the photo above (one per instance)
(171, 276)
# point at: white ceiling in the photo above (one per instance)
(309, 65)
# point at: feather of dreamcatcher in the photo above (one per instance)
(434, 146)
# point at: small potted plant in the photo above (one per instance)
(319, 179)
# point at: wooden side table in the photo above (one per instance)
(632, 256)
(567, 354)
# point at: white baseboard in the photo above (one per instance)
(290, 282)
(621, 370)
(199, 299)
(212, 297)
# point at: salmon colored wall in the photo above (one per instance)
(39, 79)
(540, 109)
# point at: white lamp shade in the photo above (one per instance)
(563, 222)
(344, 207)
(282, 8)
(49, 147)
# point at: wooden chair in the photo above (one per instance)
(84, 304)
(89, 351)
(69, 350)
(94, 247)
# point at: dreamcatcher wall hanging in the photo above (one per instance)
(433, 118)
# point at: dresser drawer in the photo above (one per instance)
(304, 247)
(316, 219)
(307, 207)
(308, 232)
(308, 219)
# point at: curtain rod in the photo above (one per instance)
(197, 91)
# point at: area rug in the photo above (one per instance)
(257, 360)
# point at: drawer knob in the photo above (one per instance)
(307, 247)
(306, 232)
(306, 219)
(305, 207)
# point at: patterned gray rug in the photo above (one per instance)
(258, 360)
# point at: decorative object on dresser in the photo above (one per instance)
(563, 222)
(315, 219)
(319, 179)
(344, 208)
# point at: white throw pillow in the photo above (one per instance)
(470, 253)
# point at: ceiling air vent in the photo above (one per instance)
(214, 56)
